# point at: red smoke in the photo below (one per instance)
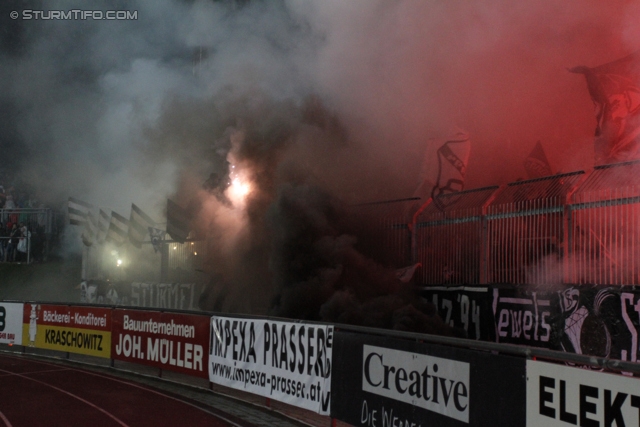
(385, 78)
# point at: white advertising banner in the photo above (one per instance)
(11, 322)
(285, 361)
(559, 395)
(403, 375)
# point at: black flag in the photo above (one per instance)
(177, 222)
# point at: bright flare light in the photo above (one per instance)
(239, 188)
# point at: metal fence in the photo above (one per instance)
(174, 262)
(183, 260)
(581, 227)
(604, 227)
(383, 229)
(526, 232)
(576, 228)
(448, 236)
(43, 228)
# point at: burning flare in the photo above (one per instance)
(239, 187)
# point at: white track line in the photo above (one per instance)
(150, 390)
(110, 415)
(5, 420)
(132, 384)
(35, 372)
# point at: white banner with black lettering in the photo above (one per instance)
(11, 322)
(284, 361)
(559, 395)
(402, 376)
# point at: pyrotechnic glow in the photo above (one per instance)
(239, 187)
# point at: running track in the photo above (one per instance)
(39, 393)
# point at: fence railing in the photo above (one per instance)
(43, 228)
(173, 262)
(33, 218)
(579, 228)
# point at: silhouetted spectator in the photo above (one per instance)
(3, 241)
(24, 243)
(14, 236)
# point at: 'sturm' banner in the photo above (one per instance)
(176, 342)
(84, 330)
(285, 361)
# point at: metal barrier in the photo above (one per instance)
(526, 230)
(604, 228)
(572, 228)
(384, 225)
(575, 228)
(43, 227)
(173, 262)
(128, 349)
(448, 239)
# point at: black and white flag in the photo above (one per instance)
(78, 211)
(89, 234)
(177, 222)
(157, 236)
(537, 164)
(139, 224)
(103, 226)
(453, 156)
(118, 229)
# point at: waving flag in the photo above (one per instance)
(139, 224)
(405, 274)
(157, 236)
(177, 222)
(537, 164)
(90, 231)
(453, 156)
(118, 227)
(78, 211)
(103, 226)
(615, 90)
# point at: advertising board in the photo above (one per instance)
(172, 341)
(285, 361)
(560, 395)
(384, 382)
(83, 330)
(11, 316)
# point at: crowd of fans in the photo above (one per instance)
(22, 227)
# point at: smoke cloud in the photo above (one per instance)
(312, 106)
